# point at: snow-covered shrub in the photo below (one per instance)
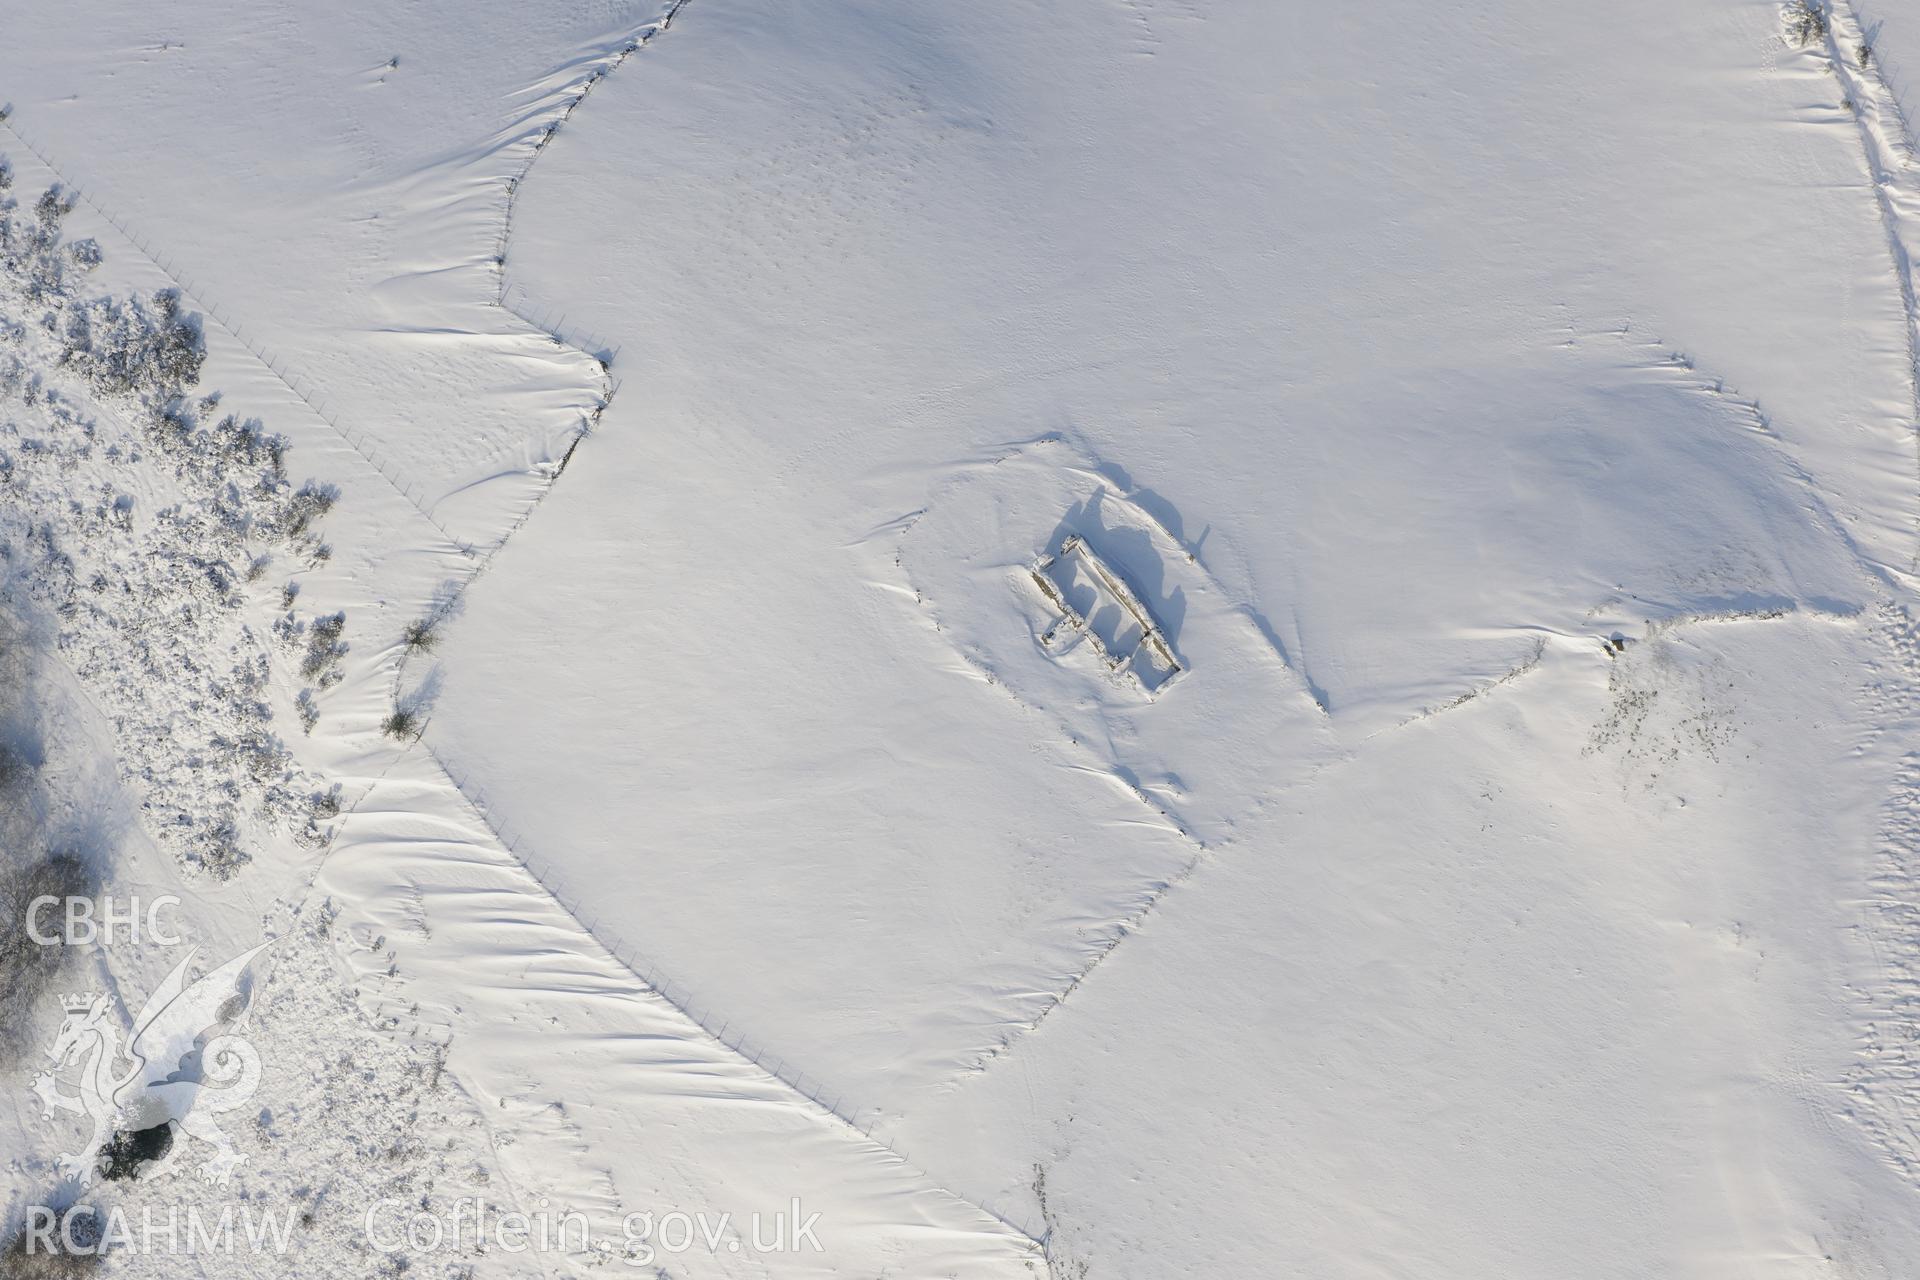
(28, 247)
(219, 852)
(421, 635)
(308, 504)
(1804, 21)
(124, 346)
(51, 208)
(325, 805)
(324, 650)
(149, 602)
(404, 724)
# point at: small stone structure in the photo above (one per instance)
(1094, 601)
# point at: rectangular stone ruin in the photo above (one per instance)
(1095, 603)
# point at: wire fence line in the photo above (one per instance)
(540, 319)
(287, 376)
(675, 995)
(683, 1000)
(614, 60)
(554, 325)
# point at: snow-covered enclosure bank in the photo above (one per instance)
(1501, 420)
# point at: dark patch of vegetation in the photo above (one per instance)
(128, 1149)
(47, 1258)
(27, 969)
(404, 724)
(421, 635)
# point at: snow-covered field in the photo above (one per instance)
(1143, 638)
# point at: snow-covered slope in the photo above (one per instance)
(1136, 639)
